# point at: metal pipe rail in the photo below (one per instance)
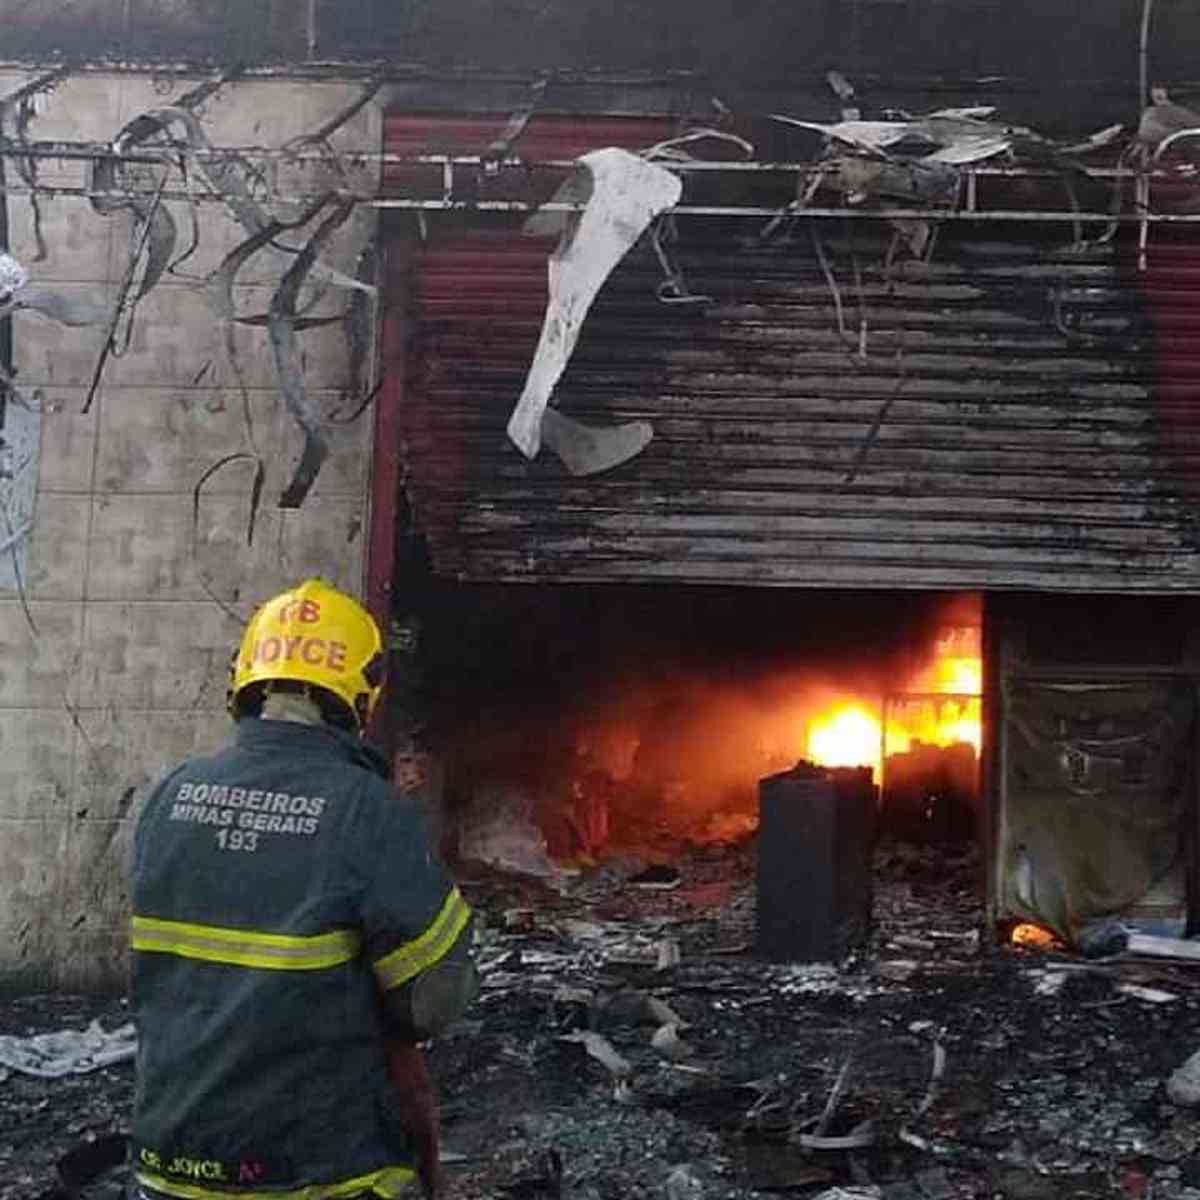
(966, 208)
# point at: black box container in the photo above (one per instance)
(815, 838)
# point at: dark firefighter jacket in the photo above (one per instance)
(282, 890)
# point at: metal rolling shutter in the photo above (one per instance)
(1014, 414)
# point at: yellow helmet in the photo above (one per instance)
(314, 635)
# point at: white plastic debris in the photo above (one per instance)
(898, 969)
(860, 1137)
(13, 276)
(1163, 947)
(1047, 983)
(684, 1184)
(71, 1052)
(601, 1049)
(625, 194)
(1149, 994)
(663, 1014)
(1183, 1086)
(668, 954)
(77, 311)
(866, 1192)
(868, 135)
(959, 133)
(583, 931)
(503, 834)
(667, 1042)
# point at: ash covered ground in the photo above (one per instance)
(933, 1065)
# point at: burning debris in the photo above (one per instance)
(648, 767)
(963, 1076)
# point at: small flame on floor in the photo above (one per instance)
(1033, 936)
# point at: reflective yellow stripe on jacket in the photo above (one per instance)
(245, 947)
(409, 960)
(388, 1183)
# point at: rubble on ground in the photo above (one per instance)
(628, 1044)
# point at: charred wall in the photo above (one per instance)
(174, 31)
(1067, 58)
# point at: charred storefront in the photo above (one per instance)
(876, 448)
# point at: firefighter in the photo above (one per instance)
(294, 937)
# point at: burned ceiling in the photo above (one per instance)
(194, 31)
(1021, 52)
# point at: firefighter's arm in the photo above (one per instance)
(418, 1103)
(424, 1006)
(418, 931)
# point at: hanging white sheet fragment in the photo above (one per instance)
(624, 195)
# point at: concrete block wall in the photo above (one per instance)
(135, 611)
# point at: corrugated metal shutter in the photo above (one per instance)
(1012, 414)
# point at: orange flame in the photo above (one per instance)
(1026, 934)
(850, 732)
(686, 761)
(846, 736)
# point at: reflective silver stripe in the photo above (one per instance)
(409, 960)
(391, 1182)
(245, 947)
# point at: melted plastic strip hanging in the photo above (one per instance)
(672, 151)
(287, 358)
(358, 322)
(229, 177)
(319, 138)
(219, 292)
(6, 104)
(502, 145)
(219, 286)
(27, 168)
(22, 102)
(256, 490)
(674, 288)
(225, 174)
(120, 305)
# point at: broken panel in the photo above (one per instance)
(1098, 789)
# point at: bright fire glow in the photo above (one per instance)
(963, 675)
(846, 736)
(1033, 935)
(848, 732)
(683, 757)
